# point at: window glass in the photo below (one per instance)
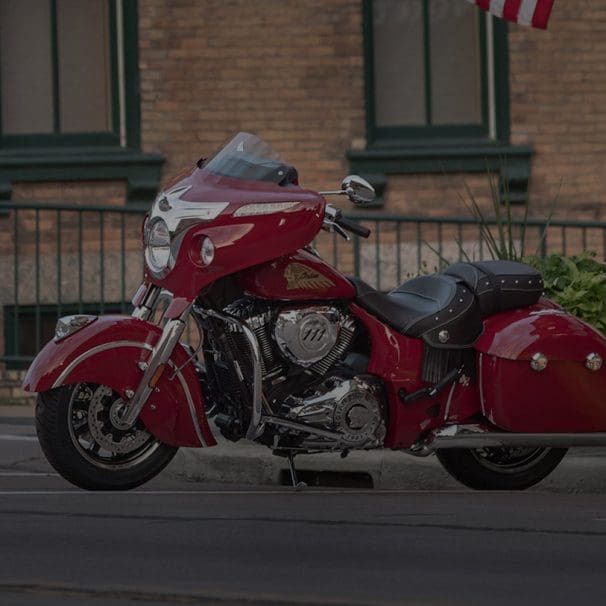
(426, 67)
(26, 85)
(84, 66)
(398, 62)
(59, 72)
(455, 63)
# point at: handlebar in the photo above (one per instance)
(353, 227)
(334, 221)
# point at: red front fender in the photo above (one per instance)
(108, 352)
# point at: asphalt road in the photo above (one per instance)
(175, 542)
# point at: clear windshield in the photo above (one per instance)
(248, 157)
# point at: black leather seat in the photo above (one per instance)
(440, 309)
(446, 309)
(500, 285)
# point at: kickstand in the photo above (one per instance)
(293, 473)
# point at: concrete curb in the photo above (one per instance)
(582, 470)
(23, 411)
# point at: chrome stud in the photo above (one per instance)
(129, 393)
(443, 336)
(593, 362)
(538, 362)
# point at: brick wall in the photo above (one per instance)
(289, 71)
(81, 192)
(292, 72)
(558, 105)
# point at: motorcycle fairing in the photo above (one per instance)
(564, 397)
(300, 276)
(108, 352)
(248, 222)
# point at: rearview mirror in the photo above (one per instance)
(358, 190)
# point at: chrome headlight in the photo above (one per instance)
(157, 245)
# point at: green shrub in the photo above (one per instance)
(577, 283)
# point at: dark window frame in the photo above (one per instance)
(392, 136)
(92, 156)
(441, 150)
(131, 113)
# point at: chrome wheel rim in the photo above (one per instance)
(90, 413)
(509, 460)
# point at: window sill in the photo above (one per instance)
(142, 171)
(512, 162)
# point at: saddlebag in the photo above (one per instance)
(539, 370)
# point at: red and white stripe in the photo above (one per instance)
(534, 13)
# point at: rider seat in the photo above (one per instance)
(446, 309)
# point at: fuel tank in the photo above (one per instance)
(300, 276)
(539, 371)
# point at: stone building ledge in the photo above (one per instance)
(511, 162)
(141, 170)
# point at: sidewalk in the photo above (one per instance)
(582, 470)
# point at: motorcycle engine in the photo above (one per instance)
(351, 407)
(305, 377)
(313, 337)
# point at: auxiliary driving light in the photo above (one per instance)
(207, 251)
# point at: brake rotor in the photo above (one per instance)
(103, 412)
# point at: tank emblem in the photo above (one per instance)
(299, 276)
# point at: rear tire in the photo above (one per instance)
(500, 468)
(75, 432)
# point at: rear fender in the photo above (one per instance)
(110, 351)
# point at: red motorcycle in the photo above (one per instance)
(470, 363)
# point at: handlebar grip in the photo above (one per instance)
(353, 227)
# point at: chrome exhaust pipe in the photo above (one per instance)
(478, 436)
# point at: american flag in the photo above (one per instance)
(525, 12)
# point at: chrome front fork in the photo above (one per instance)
(171, 333)
(154, 368)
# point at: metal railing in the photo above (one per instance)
(57, 259)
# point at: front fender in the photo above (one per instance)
(108, 352)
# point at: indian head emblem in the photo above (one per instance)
(299, 276)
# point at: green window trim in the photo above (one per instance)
(446, 149)
(141, 171)
(512, 163)
(112, 155)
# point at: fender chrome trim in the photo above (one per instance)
(481, 384)
(91, 352)
(192, 408)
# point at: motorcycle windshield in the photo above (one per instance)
(250, 158)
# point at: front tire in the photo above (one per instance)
(500, 468)
(79, 440)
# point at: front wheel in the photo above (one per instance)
(79, 439)
(500, 468)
